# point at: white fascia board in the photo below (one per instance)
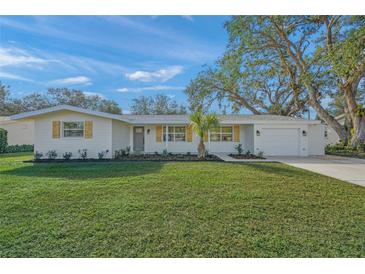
(35, 113)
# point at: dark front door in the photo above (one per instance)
(138, 139)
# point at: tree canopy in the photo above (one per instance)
(159, 104)
(285, 64)
(53, 97)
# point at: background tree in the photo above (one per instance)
(201, 124)
(8, 105)
(53, 97)
(159, 104)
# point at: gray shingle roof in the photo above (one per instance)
(225, 119)
(168, 119)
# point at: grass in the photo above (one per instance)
(176, 209)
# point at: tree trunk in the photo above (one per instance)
(358, 119)
(358, 137)
(201, 148)
(325, 116)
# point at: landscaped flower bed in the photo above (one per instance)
(136, 157)
(246, 156)
(168, 157)
(342, 150)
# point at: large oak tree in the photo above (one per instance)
(283, 63)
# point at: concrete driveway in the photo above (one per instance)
(347, 169)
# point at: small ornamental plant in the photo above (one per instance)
(83, 153)
(51, 154)
(67, 155)
(239, 149)
(102, 154)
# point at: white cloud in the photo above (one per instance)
(123, 90)
(24, 59)
(152, 88)
(15, 57)
(78, 80)
(11, 76)
(161, 75)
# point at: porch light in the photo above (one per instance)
(258, 133)
(148, 131)
(304, 133)
(325, 134)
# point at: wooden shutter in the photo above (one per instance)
(205, 137)
(236, 133)
(88, 129)
(56, 129)
(189, 134)
(158, 133)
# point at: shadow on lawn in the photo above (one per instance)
(276, 168)
(81, 171)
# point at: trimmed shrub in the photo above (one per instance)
(3, 140)
(67, 155)
(239, 149)
(52, 154)
(102, 154)
(83, 153)
(19, 148)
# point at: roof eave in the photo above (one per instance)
(40, 112)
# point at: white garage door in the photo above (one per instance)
(280, 141)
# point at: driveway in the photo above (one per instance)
(347, 169)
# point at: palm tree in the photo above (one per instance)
(201, 124)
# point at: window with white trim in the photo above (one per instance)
(221, 134)
(73, 129)
(175, 133)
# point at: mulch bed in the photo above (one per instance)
(136, 157)
(359, 155)
(245, 156)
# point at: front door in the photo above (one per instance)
(138, 139)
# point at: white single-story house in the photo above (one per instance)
(19, 132)
(70, 129)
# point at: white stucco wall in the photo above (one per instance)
(248, 143)
(19, 132)
(152, 146)
(316, 139)
(332, 136)
(120, 135)
(101, 140)
(175, 147)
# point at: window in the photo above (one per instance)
(222, 134)
(73, 129)
(175, 133)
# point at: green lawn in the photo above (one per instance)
(176, 209)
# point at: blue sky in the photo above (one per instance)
(118, 57)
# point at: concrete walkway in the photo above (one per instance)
(226, 158)
(346, 169)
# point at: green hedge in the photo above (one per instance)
(4, 148)
(3, 140)
(19, 148)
